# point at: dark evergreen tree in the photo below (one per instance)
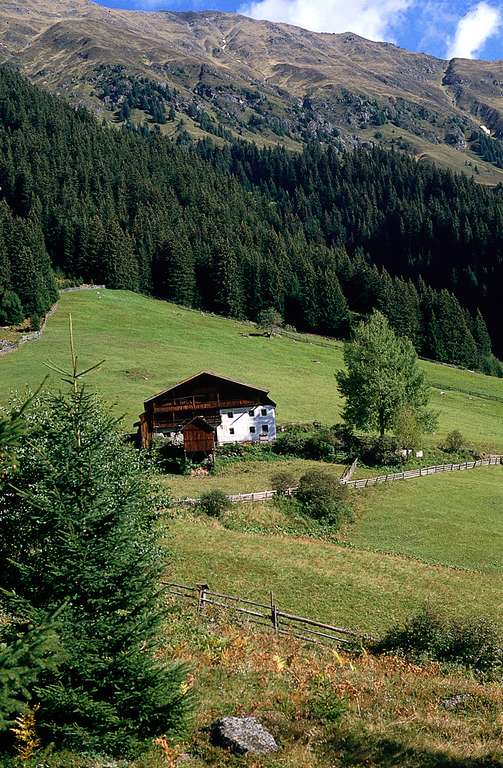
(83, 501)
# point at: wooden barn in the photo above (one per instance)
(206, 410)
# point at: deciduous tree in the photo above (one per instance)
(381, 376)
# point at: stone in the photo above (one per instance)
(458, 700)
(242, 735)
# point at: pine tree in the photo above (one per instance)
(82, 499)
(334, 318)
(11, 309)
(481, 336)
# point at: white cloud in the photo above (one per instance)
(473, 30)
(373, 19)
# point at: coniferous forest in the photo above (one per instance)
(320, 236)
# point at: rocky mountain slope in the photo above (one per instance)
(230, 76)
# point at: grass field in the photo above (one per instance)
(394, 715)
(455, 519)
(437, 539)
(244, 477)
(354, 587)
(149, 345)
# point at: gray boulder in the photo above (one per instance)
(242, 735)
(456, 701)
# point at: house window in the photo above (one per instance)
(231, 430)
(230, 415)
(251, 413)
(265, 429)
(252, 430)
(263, 412)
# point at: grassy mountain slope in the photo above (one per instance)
(263, 81)
(150, 344)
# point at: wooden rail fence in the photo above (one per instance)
(423, 472)
(268, 615)
(364, 482)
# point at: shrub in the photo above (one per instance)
(323, 498)
(380, 451)
(408, 430)
(11, 309)
(454, 442)
(35, 322)
(319, 447)
(231, 450)
(214, 503)
(282, 481)
(324, 703)
(290, 444)
(474, 643)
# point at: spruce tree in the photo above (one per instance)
(83, 500)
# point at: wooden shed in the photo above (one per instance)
(198, 436)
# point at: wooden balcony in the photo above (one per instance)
(195, 404)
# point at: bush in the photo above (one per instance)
(324, 704)
(11, 309)
(320, 447)
(290, 444)
(474, 643)
(454, 442)
(323, 498)
(35, 322)
(214, 503)
(380, 451)
(282, 481)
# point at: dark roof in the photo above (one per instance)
(205, 373)
(200, 422)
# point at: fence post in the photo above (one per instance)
(201, 602)
(274, 614)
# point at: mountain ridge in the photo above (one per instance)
(232, 77)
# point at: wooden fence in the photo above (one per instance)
(363, 483)
(267, 615)
(348, 473)
(423, 472)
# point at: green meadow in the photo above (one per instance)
(358, 588)
(435, 540)
(455, 519)
(148, 345)
(438, 539)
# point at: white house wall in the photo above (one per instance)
(237, 425)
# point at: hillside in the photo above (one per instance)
(321, 237)
(149, 344)
(230, 76)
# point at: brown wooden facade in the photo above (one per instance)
(193, 408)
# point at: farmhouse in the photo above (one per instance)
(207, 410)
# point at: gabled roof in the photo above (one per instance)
(200, 422)
(205, 373)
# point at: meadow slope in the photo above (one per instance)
(437, 539)
(149, 344)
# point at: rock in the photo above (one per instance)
(242, 735)
(458, 700)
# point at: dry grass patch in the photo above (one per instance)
(392, 711)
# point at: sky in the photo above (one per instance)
(445, 28)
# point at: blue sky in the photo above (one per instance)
(465, 28)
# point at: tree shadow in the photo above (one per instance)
(364, 750)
